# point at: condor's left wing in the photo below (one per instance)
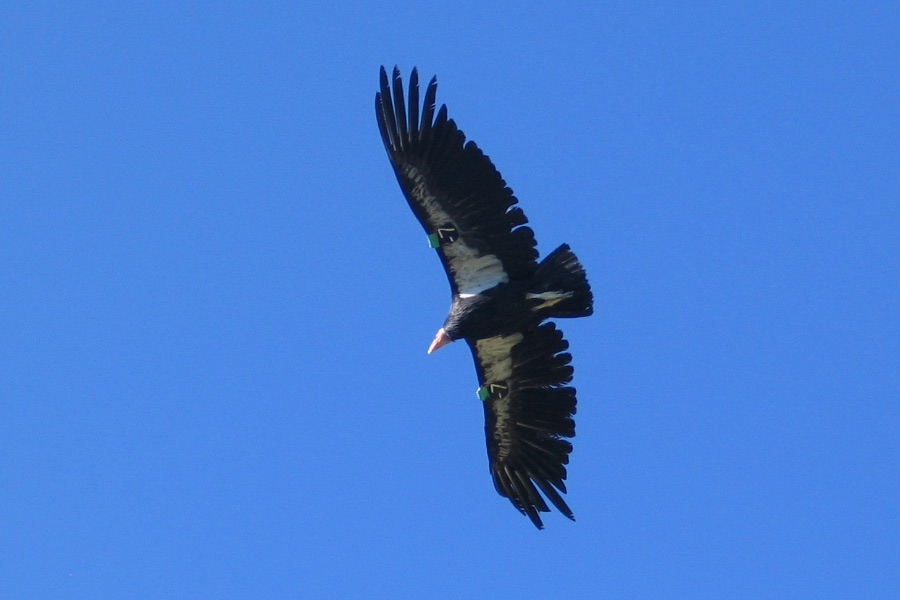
(528, 412)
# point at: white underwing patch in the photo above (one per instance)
(473, 273)
(495, 355)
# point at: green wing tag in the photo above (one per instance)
(493, 391)
(446, 234)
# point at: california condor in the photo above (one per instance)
(501, 294)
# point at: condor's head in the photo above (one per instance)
(441, 339)
(462, 320)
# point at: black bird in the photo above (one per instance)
(500, 293)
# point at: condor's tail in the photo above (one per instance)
(561, 286)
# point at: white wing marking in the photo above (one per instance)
(473, 273)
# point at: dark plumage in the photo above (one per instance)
(500, 293)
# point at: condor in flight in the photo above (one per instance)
(501, 294)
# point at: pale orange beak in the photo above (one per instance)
(441, 339)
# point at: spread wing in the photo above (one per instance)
(528, 412)
(467, 210)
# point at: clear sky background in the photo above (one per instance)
(215, 303)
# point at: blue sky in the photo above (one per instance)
(215, 302)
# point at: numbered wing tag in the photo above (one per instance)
(444, 235)
(493, 391)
